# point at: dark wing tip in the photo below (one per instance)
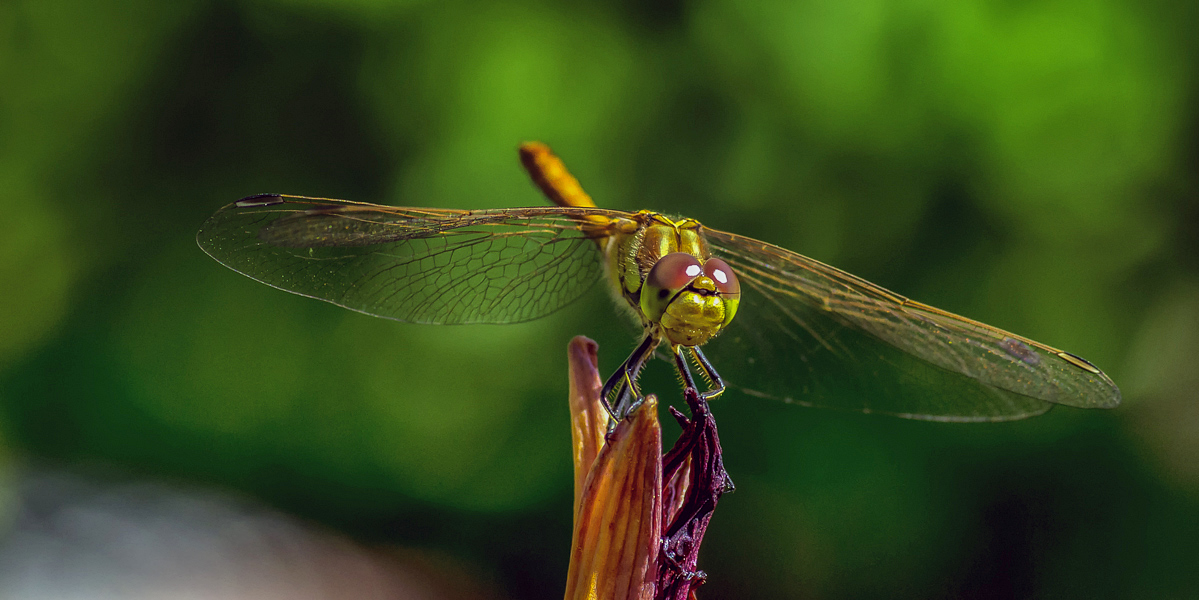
(259, 200)
(1079, 362)
(1110, 400)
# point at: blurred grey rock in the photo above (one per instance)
(66, 537)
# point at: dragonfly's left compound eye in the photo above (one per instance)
(670, 274)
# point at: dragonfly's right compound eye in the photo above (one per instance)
(726, 283)
(667, 278)
(722, 275)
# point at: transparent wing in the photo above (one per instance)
(811, 334)
(418, 265)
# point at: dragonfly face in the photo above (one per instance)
(804, 332)
(691, 301)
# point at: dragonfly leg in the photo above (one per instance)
(623, 381)
(684, 371)
(714, 380)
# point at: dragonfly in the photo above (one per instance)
(789, 327)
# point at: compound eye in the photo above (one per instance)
(674, 271)
(721, 273)
(670, 274)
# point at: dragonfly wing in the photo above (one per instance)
(821, 336)
(416, 265)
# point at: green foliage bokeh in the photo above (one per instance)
(1031, 165)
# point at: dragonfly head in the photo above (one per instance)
(692, 301)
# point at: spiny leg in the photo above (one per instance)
(625, 377)
(680, 363)
(715, 383)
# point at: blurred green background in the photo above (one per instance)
(1030, 165)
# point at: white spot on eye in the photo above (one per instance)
(694, 270)
(720, 276)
